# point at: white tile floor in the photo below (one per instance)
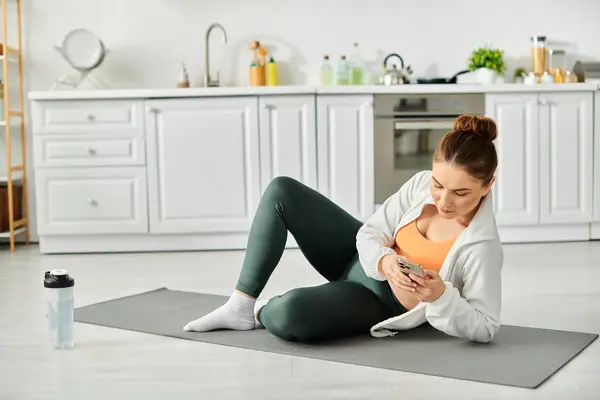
(549, 285)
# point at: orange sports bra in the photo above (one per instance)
(411, 243)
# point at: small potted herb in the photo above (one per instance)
(520, 75)
(487, 63)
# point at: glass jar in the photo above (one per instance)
(557, 64)
(538, 54)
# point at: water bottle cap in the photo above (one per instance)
(57, 279)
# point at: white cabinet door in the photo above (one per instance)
(345, 136)
(566, 157)
(81, 201)
(516, 191)
(203, 164)
(597, 157)
(288, 139)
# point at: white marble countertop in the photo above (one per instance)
(290, 90)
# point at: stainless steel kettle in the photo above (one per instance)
(395, 76)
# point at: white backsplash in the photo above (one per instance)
(150, 38)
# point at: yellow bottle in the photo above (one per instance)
(271, 73)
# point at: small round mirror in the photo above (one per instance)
(82, 49)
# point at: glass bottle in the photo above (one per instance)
(326, 72)
(343, 72)
(356, 67)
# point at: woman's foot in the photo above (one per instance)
(237, 314)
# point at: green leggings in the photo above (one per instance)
(349, 304)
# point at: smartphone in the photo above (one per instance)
(410, 268)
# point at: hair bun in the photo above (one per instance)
(483, 126)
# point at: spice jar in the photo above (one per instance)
(538, 54)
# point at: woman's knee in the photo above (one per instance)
(281, 187)
(287, 317)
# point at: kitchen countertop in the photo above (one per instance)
(285, 90)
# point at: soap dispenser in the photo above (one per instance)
(183, 80)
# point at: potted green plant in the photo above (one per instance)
(520, 75)
(488, 64)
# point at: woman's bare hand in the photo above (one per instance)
(389, 267)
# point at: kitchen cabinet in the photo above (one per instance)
(595, 228)
(566, 157)
(345, 152)
(516, 190)
(90, 150)
(203, 164)
(83, 201)
(187, 173)
(545, 169)
(90, 174)
(114, 117)
(288, 138)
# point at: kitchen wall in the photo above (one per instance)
(150, 38)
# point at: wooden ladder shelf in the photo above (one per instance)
(9, 57)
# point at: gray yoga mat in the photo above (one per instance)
(518, 356)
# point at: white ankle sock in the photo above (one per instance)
(260, 303)
(237, 314)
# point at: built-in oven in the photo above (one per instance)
(408, 128)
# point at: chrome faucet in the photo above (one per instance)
(208, 82)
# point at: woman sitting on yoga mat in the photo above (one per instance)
(442, 219)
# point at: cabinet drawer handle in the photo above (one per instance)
(92, 202)
(543, 102)
(151, 110)
(92, 151)
(89, 117)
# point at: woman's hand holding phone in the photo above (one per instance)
(430, 288)
(389, 267)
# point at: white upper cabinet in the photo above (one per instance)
(516, 191)
(345, 152)
(288, 138)
(203, 164)
(566, 157)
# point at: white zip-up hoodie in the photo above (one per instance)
(470, 306)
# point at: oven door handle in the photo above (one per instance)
(424, 124)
